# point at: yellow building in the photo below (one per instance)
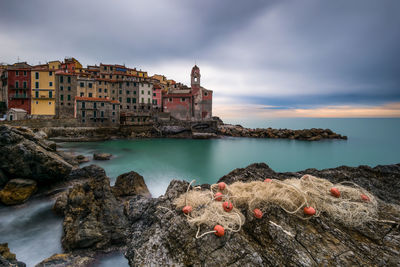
(43, 90)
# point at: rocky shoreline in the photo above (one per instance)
(99, 218)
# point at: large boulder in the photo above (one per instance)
(93, 217)
(17, 191)
(129, 184)
(25, 155)
(8, 259)
(161, 235)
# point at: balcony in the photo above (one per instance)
(19, 96)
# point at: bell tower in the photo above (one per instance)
(195, 77)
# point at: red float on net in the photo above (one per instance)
(219, 230)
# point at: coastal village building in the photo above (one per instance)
(14, 114)
(94, 111)
(66, 90)
(17, 86)
(43, 91)
(185, 103)
(59, 89)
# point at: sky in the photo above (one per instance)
(262, 58)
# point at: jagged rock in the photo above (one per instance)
(102, 156)
(24, 155)
(129, 184)
(17, 191)
(93, 216)
(8, 259)
(67, 260)
(160, 234)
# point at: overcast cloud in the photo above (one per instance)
(277, 54)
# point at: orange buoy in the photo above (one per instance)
(267, 180)
(219, 230)
(365, 197)
(258, 213)
(221, 186)
(218, 196)
(335, 192)
(228, 206)
(309, 210)
(187, 209)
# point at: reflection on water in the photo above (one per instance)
(32, 231)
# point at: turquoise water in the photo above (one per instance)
(371, 142)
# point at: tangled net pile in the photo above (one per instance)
(345, 202)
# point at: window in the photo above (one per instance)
(69, 88)
(50, 73)
(90, 95)
(69, 98)
(50, 84)
(83, 112)
(61, 97)
(50, 94)
(36, 75)
(61, 79)
(69, 79)
(99, 90)
(128, 100)
(83, 106)
(90, 85)
(37, 85)
(37, 95)
(82, 85)
(102, 104)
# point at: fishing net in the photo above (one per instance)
(353, 207)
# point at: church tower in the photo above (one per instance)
(195, 75)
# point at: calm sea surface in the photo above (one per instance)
(33, 232)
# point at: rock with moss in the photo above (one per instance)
(17, 191)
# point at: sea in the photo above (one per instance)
(34, 232)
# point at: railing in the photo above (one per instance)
(19, 96)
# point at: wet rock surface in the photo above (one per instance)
(93, 216)
(129, 184)
(306, 134)
(102, 156)
(160, 235)
(8, 259)
(17, 191)
(26, 155)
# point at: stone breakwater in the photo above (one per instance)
(305, 134)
